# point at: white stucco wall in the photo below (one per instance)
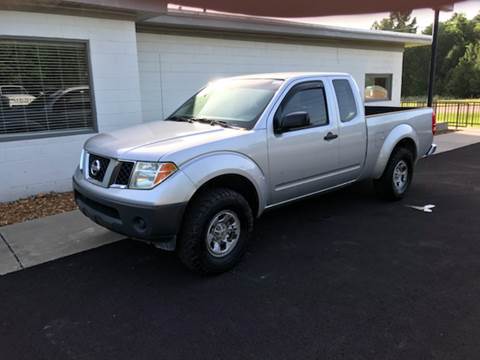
(42, 165)
(132, 85)
(173, 67)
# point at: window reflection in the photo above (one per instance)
(378, 87)
(44, 87)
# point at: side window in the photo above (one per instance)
(345, 99)
(310, 99)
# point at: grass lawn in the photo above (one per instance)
(473, 120)
(424, 100)
(460, 100)
(460, 112)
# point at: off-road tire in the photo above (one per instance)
(384, 186)
(191, 246)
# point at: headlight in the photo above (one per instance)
(82, 160)
(147, 175)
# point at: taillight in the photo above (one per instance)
(434, 123)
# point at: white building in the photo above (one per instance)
(93, 68)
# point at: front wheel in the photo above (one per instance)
(217, 227)
(397, 177)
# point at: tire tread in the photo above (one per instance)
(383, 185)
(190, 248)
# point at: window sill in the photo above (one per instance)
(374, 101)
(44, 135)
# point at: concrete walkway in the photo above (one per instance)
(52, 237)
(41, 240)
(457, 139)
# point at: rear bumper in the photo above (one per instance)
(159, 224)
(431, 150)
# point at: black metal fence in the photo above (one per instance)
(456, 113)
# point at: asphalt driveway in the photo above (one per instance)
(343, 276)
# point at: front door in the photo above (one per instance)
(303, 161)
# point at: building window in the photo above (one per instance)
(378, 87)
(44, 89)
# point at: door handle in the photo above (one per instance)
(330, 136)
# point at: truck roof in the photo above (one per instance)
(290, 75)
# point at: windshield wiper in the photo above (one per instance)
(212, 122)
(216, 122)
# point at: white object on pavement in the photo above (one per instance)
(425, 208)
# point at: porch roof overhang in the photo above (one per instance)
(154, 15)
(242, 25)
(305, 8)
(268, 8)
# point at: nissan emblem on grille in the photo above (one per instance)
(95, 167)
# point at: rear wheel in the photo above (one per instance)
(397, 177)
(217, 227)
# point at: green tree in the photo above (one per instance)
(458, 59)
(416, 61)
(464, 81)
(397, 21)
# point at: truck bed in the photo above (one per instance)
(382, 120)
(377, 110)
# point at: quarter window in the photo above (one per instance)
(44, 88)
(345, 99)
(378, 87)
(310, 100)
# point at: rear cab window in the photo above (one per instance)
(345, 99)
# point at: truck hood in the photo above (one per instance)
(151, 141)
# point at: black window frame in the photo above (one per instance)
(58, 133)
(389, 77)
(311, 84)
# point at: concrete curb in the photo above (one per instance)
(8, 260)
(37, 241)
(457, 139)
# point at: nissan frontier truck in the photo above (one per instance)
(195, 182)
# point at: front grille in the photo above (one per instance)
(97, 167)
(124, 172)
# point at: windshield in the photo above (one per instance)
(237, 102)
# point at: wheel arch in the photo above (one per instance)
(401, 136)
(235, 182)
(229, 170)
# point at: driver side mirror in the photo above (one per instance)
(292, 121)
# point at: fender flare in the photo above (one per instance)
(204, 168)
(396, 135)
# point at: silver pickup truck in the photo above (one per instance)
(195, 182)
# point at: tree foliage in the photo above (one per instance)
(397, 21)
(458, 59)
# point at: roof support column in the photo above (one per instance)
(433, 60)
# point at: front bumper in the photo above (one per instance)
(156, 223)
